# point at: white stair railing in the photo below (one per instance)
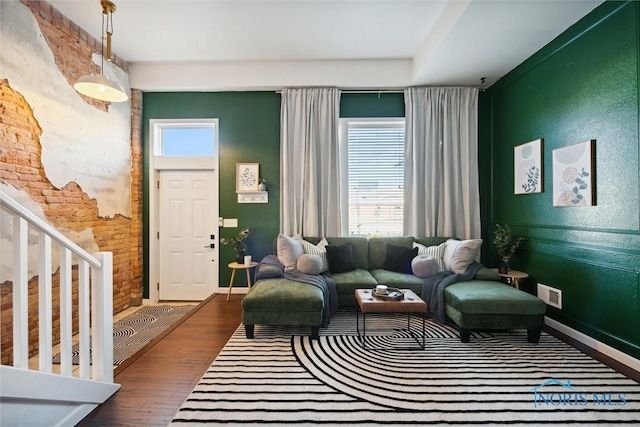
(95, 298)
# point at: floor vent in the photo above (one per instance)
(551, 296)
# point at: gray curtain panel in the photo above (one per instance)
(441, 193)
(310, 163)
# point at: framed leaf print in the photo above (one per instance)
(527, 167)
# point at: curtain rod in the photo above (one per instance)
(376, 91)
(372, 91)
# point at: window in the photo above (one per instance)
(375, 175)
(189, 138)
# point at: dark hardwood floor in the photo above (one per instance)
(155, 384)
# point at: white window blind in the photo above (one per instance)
(376, 176)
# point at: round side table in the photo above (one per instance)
(237, 266)
(512, 276)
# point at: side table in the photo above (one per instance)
(237, 266)
(512, 276)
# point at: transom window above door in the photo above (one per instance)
(186, 138)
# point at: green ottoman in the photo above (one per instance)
(485, 304)
(280, 301)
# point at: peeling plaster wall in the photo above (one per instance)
(72, 128)
(73, 161)
(84, 238)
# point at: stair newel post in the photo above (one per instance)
(102, 318)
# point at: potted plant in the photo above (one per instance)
(239, 243)
(506, 244)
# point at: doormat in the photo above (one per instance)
(133, 332)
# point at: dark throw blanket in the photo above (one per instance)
(328, 287)
(433, 288)
(270, 267)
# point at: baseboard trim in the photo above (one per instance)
(596, 345)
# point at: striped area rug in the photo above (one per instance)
(132, 333)
(283, 378)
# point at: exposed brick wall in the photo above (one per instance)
(68, 207)
(137, 256)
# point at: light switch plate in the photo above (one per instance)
(230, 222)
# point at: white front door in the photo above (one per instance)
(188, 227)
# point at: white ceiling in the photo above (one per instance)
(265, 44)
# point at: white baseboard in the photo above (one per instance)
(600, 347)
(225, 290)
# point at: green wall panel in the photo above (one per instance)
(249, 133)
(585, 91)
(582, 86)
(368, 105)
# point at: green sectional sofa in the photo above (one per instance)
(480, 303)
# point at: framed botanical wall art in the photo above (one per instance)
(247, 177)
(574, 175)
(527, 167)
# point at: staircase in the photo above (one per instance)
(39, 397)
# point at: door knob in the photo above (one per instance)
(211, 246)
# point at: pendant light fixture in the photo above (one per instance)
(100, 87)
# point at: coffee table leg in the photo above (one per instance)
(364, 328)
(411, 331)
(423, 316)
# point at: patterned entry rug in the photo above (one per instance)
(281, 377)
(133, 332)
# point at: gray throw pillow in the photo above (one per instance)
(309, 264)
(424, 266)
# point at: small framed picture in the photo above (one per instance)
(247, 177)
(527, 167)
(574, 175)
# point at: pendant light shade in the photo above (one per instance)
(100, 87)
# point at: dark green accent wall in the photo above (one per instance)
(582, 86)
(370, 105)
(249, 133)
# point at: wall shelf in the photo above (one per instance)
(254, 197)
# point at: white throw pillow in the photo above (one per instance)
(309, 264)
(289, 250)
(320, 249)
(459, 254)
(435, 251)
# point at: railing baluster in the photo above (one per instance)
(20, 293)
(45, 303)
(66, 344)
(84, 331)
